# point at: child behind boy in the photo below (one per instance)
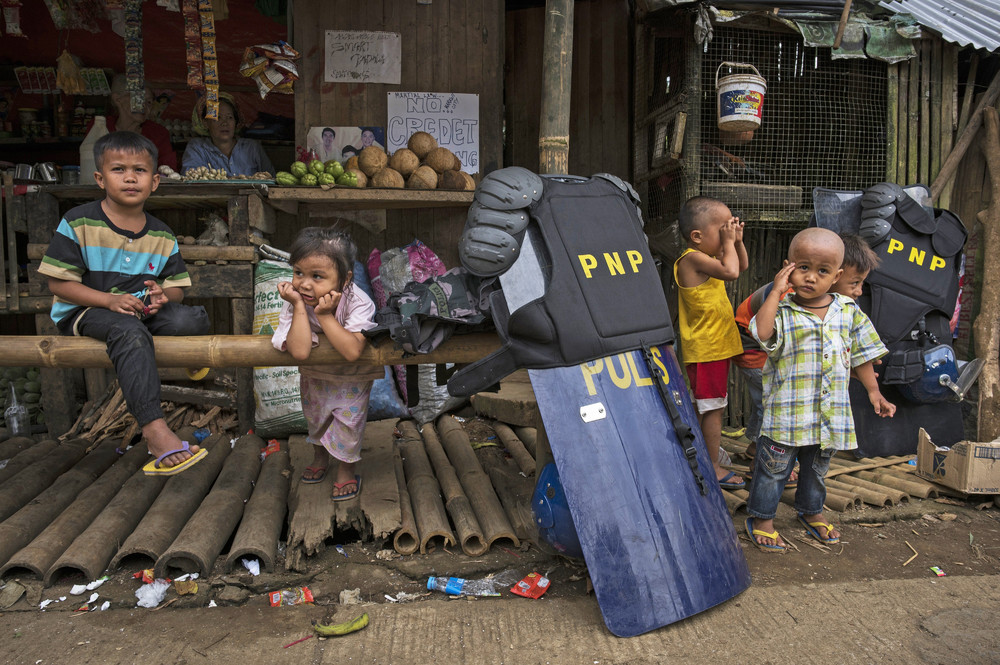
(322, 299)
(813, 339)
(859, 261)
(708, 334)
(117, 276)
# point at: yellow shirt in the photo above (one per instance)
(707, 328)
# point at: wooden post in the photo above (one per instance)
(987, 325)
(925, 111)
(902, 127)
(892, 123)
(844, 15)
(557, 75)
(949, 112)
(950, 164)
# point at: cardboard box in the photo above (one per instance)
(970, 467)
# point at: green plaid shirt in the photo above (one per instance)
(808, 370)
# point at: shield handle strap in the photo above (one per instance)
(685, 435)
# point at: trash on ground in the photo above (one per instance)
(99, 581)
(386, 555)
(212, 603)
(487, 586)
(185, 577)
(350, 597)
(10, 593)
(253, 565)
(153, 593)
(403, 597)
(105, 605)
(185, 587)
(340, 549)
(532, 586)
(297, 641)
(937, 571)
(145, 575)
(77, 589)
(293, 596)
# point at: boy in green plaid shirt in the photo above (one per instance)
(813, 339)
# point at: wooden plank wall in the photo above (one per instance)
(600, 106)
(447, 46)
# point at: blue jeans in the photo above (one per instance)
(130, 346)
(754, 382)
(772, 466)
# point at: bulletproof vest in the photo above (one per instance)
(602, 291)
(913, 292)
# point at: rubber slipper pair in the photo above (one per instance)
(349, 495)
(727, 483)
(773, 535)
(315, 479)
(814, 530)
(154, 469)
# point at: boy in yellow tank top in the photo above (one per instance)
(708, 333)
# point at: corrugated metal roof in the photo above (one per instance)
(964, 22)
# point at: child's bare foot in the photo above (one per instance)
(763, 534)
(316, 471)
(820, 529)
(161, 439)
(347, 482)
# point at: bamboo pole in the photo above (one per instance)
(936, 107)
(925, 111)
(968, 95)
(841, 499)
(201, 540)
(477, 485)
(260, 527)
(557, 76)
(92, 550)
(14, 446)
(889, 480)
(26, 458)
(513, 489)
(470, 535)
(38, 555)
(874, 498)
(528, 436)
(406, 540)
(23, 525)
(916, 126)
(516, 448)
(179, 499)
(892, 122)
(987, 324)
(188, 252)
(228, 351)
(733, 502)
(33, 480)
(428, 509)
(903, 125)
(897, 496)
(844, 15)
(949, 112)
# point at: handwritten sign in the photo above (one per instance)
(450, 117)
(361, 56)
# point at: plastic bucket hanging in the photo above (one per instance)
(740, 98)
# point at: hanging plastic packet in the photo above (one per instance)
(192, 43)
(12, 18)
(209, 59)
(532, 586)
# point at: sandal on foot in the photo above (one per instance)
(349, 495)
(312, 470)
(154, 469)
(814, 530)
(773, 535)
(727, 483)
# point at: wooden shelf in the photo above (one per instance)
(167, 195)
(349, 198)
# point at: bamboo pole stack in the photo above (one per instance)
(422, 485)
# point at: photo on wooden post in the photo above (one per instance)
(342, 143)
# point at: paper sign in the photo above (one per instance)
(360, 56)
(450, 117)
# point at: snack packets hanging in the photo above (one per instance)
(271, 67)
(135, 81)
(209, 59)
(192, 44)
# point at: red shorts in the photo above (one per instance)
(709, 383)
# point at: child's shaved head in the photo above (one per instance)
(695, 212)
(813, 239)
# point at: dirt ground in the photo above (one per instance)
(963, 540)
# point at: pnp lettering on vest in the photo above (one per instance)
(613, 260)
(917, 255)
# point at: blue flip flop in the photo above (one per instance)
(349, 495)
(154, 469)
(726, 484)
(814, 527)
(753, 533)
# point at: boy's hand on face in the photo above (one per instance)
(288, 293)
(739, 228)
(882, 406)
(728, 231)
(782, 281)
(328, 303)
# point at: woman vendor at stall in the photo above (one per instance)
(129, 121)
(221, 148)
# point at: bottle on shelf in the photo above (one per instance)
(87, 164)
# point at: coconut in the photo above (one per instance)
(388, 177)
(440, 159)
(372, 160)
(362, 178)
(458, 164)
(470, 182)
(424, 177)
(452, 180)
(421, 143)
(405, 161)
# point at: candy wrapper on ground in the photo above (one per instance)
(532, 586)
(294, 596)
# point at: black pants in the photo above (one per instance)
(130, 347)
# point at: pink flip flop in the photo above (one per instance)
(349, 495)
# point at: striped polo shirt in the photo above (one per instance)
(87, 247)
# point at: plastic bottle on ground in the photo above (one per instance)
(16, 415)
(87, 164)
(457, 586)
